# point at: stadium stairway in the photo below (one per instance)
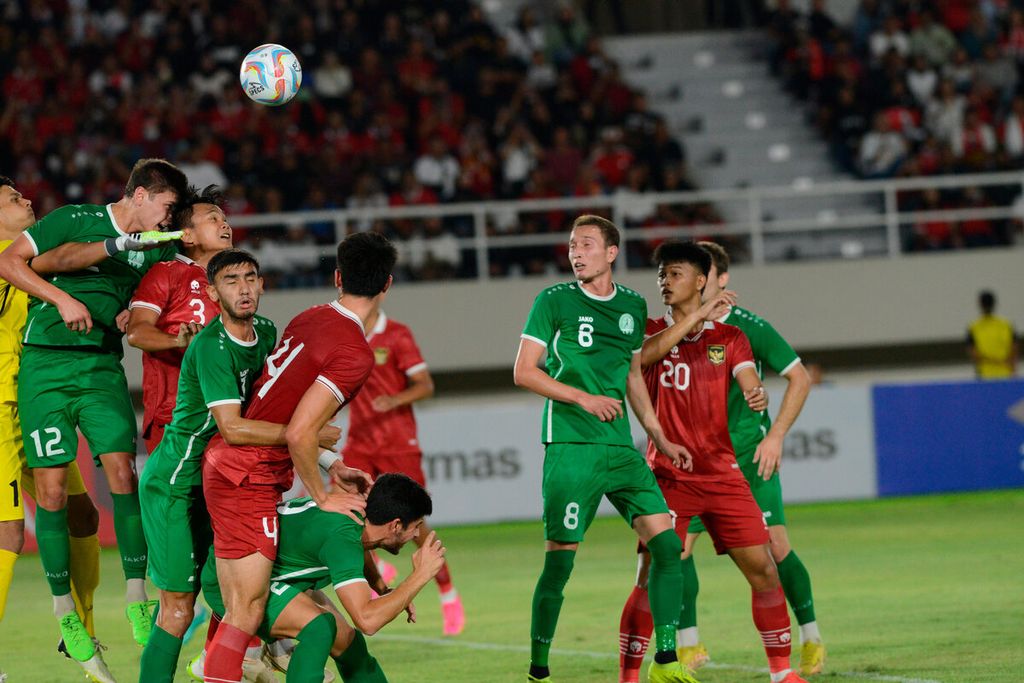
(741, 129)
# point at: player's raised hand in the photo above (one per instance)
(186, 333)
(757, 399)
(768, 456)
(604, 408)
(75, 315)
(717, 306)
(384, 403)
(349, 478)
(429, 558)
(328, 436)
(349, 504)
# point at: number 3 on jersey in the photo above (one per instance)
(675, 375)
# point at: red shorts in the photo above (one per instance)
(244, 517)
(409, 464)
(727, 508)
(152, 435)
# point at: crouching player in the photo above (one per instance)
(318, 548)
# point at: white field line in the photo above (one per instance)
(469, 645)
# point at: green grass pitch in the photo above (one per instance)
(920, 589)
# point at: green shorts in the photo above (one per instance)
(281, 594)
(61, 389)
(178, 533)
(768, 495)
(576, 475)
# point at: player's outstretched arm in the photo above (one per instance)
(315, 409)
(72, 256)
(15, 269)
(640, 402)
(144, 335)
(526, 374)
(769, 451)
(239, 431)
(657, 346)
(370, 614)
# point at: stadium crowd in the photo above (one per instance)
(914, 88)
(402, 103)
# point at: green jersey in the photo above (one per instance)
(316, 548)
(590, 342)
(104, 289)
(746, 427)
(217, 369)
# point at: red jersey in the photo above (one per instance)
(176, 291)
(690, 392)
(324, 344)
(396, 357)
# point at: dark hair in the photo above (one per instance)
(226, 258)
(674, 251)
(4, 180)
(719, 256)
(987, 301)
(365, 261)
(396, 496)
(609, 232)
(155, 176)
(182, 216)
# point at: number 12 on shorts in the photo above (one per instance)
(50, 450)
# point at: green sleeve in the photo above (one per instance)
(542, 321)
(56, 228)
(165, 252)
(215, 371)
(342, 554)
(640, 329)
(771, 349)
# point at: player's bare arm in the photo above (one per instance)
(421, 386)
(769, 452)
(73, 256)
(640, 402)
(15, 269)
(238, 431)
(528, 375)
(657, 346)
(144, 335)
(315, 409)
(370, 614)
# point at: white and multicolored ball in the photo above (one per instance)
(271, 75)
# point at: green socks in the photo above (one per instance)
(547, 603)
(691, 586)
(54, 548)
(160, 657)
(357, 665)
(312, 650)
(796, 584)
(131, 542)
(665, 588)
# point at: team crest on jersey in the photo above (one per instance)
(716, 354)
(380, 355)
(136, 259)
(626, 323)
(195, 285)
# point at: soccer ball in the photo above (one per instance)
(270, 75)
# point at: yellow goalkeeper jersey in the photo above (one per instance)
(993, 340)
(13, 311)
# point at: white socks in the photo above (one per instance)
(688, 637)
(63, 604)
(809, 632)
(136, 590)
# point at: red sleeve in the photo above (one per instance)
(154, 291)
(347, 370)
(739, 353)
(410, 360)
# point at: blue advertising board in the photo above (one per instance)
(960, 436)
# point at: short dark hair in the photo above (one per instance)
(987, 301)
(719, 256)
(396, 496)
(365, 261)
(226, 258)
(182, 216)
(4, 180)
(609, 232)
(676, 251)
(156, 176)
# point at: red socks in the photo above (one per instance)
(444, 579)
(772, 620)
(635, 629)
(225, 654)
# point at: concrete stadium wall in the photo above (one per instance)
(822, 305)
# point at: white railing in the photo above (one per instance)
(879, 221)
